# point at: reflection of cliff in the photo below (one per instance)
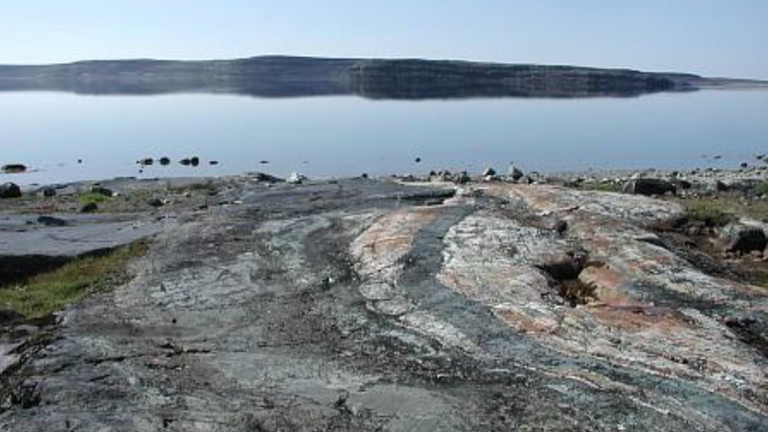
(416, 79)
(380, 79)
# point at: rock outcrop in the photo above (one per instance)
(354, 305)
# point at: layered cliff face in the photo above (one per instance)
(264, 76)
(278, 76)
(428, 79)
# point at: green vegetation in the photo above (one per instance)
(46, 293)
(720, 210)
(712, 212)
(762, 188)
(600, 186)
(92, 198)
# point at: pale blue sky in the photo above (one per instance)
(711, 37)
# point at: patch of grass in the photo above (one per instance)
(762, 188)
(712, 212)
(720, 210)
(43, 294)
(92, 198)
(602, 187)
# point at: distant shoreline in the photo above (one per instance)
(399, 79)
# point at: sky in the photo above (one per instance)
(709, 37)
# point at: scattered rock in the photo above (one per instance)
(743, 239)
(649, 186)
(265, 178)
(10, 317)
(515, 173)
(165, 161)
(14, 168)
(213, 162)
(489, 172)
(10, 190)
(156, 202)
(560, 227)
(51, 221)
(296, 178)
(89, 208)
(565, 267)
(721, 187)
(100, 190)
(462, 178)
(146, 162)
(193, 161)
(417, 160)
(48, 191)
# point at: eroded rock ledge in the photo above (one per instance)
(372, 305)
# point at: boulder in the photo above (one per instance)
(649, 186)
(265, 178)
(100, 190)
(156, 202)
(296, 178)
(515, 173)
(51, 221)
(14, 168)
(48, 191)
(89, 208)
(489, 172)
(462, 178)
(192, 161)
(10, 190)
(743, 239)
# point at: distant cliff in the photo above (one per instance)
(279, 76)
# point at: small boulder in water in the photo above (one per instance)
(192, 161)
(165, 161)
(14, 168)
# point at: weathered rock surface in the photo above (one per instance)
(649, 186)
(354, 306)
(9, 190)
(70, 235)
(742, 238)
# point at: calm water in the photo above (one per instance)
(341, 136)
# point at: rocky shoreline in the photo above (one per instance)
(498, 301)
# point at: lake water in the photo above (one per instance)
(343, 136)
